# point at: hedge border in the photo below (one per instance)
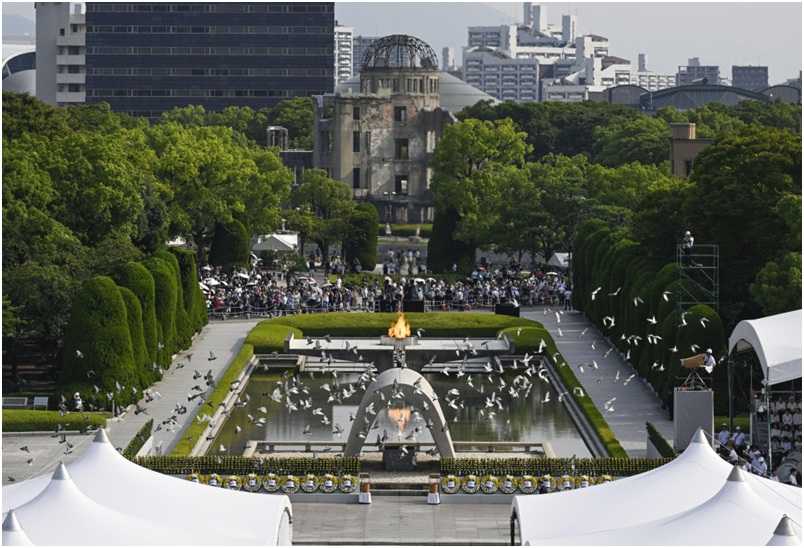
(613, 466)
(239, 465)
(196, 429)
(34, 420)
(529, 341)
(139, 440)
(658, 441)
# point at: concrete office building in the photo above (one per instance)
(695, 73)
(60, 52)
(684, 148)
(447, 59)
(146, 58)
(653, 81)
(344, 53)
(750, 77)
(500, 76)
(534, 16)
(568, 28)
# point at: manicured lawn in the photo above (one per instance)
(29, 420)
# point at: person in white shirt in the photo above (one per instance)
(709, 361)
(723, 436)
(759, 466)
(739, 438)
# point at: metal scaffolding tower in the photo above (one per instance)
(701, 268)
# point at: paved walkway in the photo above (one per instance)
(401, 520)
(636, 403)
(224, 339)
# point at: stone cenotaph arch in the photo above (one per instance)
(417, 392)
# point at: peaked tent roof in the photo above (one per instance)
(785, 534)
(686, 482)
(734, 516)
(62, 514)
(777, 343)
(250, 518)
(13, 535)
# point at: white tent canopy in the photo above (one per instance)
(560, 259)
(686, 482)
(218, 516)
(777, 343)
(277, 241)
(13, 535)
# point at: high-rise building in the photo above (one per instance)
(447, 59)
(643, 62)
(60, 52)
(344, 52)
(754, 78)
(501, 76)
(359, 46)
(535, 16)
(696, 73)
(568, 26)
(146, 58)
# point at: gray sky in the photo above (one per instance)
(722, 34)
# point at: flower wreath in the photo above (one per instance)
(329, 483)
(309, 484)
(290, 484)
(271, 483)
(348, 483)
(214, 480)
(193, 477)
(450, 484)
(233, 482)
(528, 484)
(252, 483)
(470, 485)
(489, 484)
(508, 485)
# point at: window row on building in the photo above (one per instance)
(109, 92)
(234, 7)
(209, 71)
(111, 50)
(207, 29)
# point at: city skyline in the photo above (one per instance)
(659, 33)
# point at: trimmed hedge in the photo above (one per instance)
(238, 465)
(139, 440)
(658, 441)
(184, 328)
(166, 296)
(197, 427)
(618, 467)
(98, 329)
(529, 340)
(361, 241)
(136, 277)
(134, 315)
(230, 245)
(194, 302)
(30, 420)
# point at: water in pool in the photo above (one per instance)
(525, 417)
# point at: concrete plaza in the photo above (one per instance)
(401, 520)
(636, 403)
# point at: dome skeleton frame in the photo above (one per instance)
(399, 51)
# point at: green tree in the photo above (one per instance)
(331, 203)
(135, 277)
(644, 139)
(297, 116)
(360, 242)
(230, 246)
(165, 297)
(777, 287)
(739, 182)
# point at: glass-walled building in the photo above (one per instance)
(146, 58)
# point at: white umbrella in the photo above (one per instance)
(243, 275)
(212, 282)
(206, 267)
(202, 286)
